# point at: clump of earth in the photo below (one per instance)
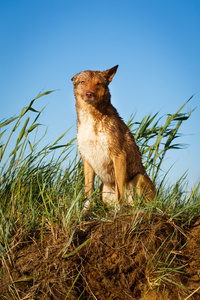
(135, 256)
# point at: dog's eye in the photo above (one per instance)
(98, 83)
(82, 81)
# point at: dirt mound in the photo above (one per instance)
(133, 257)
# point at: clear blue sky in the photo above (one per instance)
(156, 43)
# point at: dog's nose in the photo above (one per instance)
(89, 94)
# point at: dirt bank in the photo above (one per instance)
(133, 257)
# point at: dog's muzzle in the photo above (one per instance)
(89, 97)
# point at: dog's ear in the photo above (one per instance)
(108, 74)
(74, 79)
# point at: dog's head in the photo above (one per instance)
(92, 86)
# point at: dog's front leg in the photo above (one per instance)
(89, 175)
(120, 177)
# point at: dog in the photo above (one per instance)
(106, 145)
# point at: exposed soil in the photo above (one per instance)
(133, 257)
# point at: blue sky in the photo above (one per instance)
(156, 44)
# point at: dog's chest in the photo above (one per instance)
(93, 144)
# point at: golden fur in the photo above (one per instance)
(105, 143)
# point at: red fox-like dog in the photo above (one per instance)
(105, 143)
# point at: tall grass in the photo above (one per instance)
(36, 192)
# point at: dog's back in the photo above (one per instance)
(107, 146)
